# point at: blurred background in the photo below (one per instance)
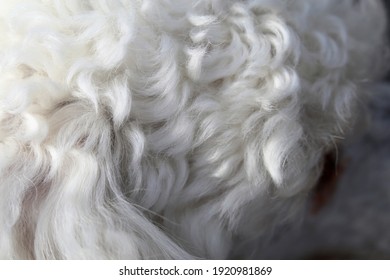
(349, 218)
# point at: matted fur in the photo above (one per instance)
(165, 128)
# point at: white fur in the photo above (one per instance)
(165, 128)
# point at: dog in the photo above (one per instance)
(144, 129)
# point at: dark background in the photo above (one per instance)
(354, 220)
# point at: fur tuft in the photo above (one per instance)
(163, 129)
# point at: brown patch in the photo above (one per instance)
(327, 183)
(24, 229)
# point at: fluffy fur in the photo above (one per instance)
(164, 129)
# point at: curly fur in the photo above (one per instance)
(164, 129)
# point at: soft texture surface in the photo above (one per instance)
(163, 129)
(354, 223)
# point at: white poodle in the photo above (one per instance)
(166, 128)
